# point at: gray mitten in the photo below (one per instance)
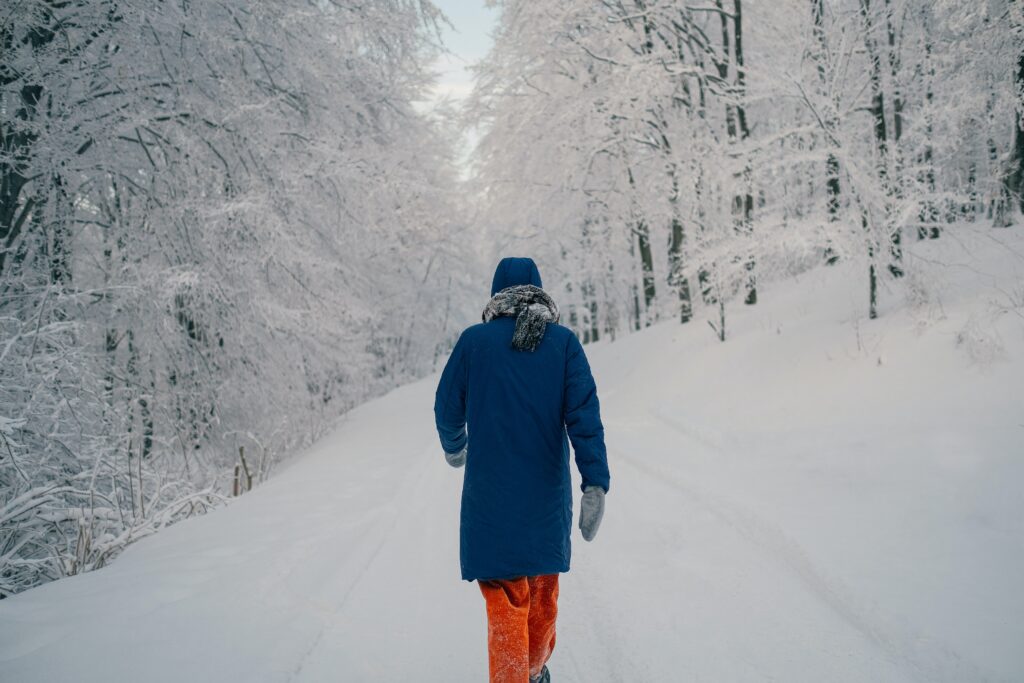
(456, 459)
(591, 511)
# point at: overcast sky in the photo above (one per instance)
(469, 41)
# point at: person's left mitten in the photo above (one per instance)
(456, 459)
(591, 511)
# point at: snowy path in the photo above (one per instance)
(815, 543)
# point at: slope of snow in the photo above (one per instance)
(821, 498)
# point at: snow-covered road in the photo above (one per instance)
(809, 502)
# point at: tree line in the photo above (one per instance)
(666, 155)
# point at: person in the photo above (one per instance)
(515, 390)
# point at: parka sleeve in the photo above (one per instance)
(450, 401)
(583, 418)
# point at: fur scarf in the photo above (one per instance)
(532, 308)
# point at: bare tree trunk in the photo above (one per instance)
(643, 237)
(590, 301)
(59, 248)
(929, 214)
(699, 194)
(677, 238)
(643, 243)
(872, 274)
(743, 205)
(722, 63)
(832, 187)
(676, 277)
(877, 96)
(1013, 179)
(643, 240)
(634, 289)
(736, 127)
(895, 189)
(872, 287)
(719, 328)
(881, 144)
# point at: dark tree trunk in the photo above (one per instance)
(895, 233)
(744, 204)
(881, 145)
(643, 243)
(872, 274)
(832, 187)
(591, 293)
(741, 75)
(676, 277)
(677, 237)
(636, 308)
(1013, 180)
(928, 217)
(703, 275)
(970, 209)
(707, 293)
(722, 64)
(818, 21)
(736, 127)
(634, 289)
(60, 242)
(832, 191)
(643, 240)
(142, 397)
(877, 95)
(873, 290)
(894, 67)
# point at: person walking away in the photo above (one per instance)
(515, 391)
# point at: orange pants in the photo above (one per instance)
(520, 625)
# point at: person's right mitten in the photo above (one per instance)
(591, 511)
(456, 459)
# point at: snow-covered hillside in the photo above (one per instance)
(821, 498)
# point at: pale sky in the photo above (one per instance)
(469, 42)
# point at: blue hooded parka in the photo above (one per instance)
(522, 409)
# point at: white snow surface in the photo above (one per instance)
(821, 498)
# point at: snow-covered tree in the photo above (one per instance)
(651, 146)
(220, 226)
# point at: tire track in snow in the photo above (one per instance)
(393, 514)
(923, 658)
(597, 616)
